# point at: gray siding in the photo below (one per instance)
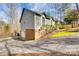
(27, 20)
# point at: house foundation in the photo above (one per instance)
(33, 34)
(30, 34)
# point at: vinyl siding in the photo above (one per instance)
(38, 22)
(27, 20)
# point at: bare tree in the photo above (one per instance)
(12, 14)
(77, 7)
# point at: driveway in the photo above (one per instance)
(65, 45)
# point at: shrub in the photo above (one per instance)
(61, 27)
(67, 27)
(7, 28)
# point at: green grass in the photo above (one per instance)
(62, 34)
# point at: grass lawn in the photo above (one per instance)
(62, 34)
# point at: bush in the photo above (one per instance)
(67, 27)
(61, 27)
(46, 27)
(7, 28)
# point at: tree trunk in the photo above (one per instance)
(77, 7)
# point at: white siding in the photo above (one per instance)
(27, 20)
(48, 22)
(53, 22)
(43, 20)
(38, 22)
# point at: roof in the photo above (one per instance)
(47, 16)
(37, 13)
(22, 14)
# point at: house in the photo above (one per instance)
(31, 24)
(48, 19)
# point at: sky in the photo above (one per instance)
(48, 8)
